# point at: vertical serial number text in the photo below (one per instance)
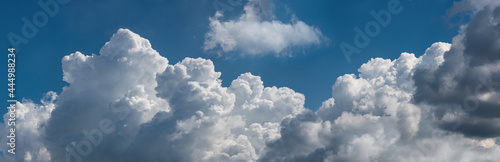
(11, 82)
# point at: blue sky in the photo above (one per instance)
(176, 30)
(263, 80)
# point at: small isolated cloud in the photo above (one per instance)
(257, 32)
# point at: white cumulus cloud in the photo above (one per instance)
(257, 32)
(155, 111)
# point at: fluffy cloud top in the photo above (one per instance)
(129, 104)
(257, 32)
(157, 111)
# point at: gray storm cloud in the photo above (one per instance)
(465, 90)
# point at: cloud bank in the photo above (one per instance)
(130, 104)
(257, 32)
(465, 89)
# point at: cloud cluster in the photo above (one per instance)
(257, 32)
(441, 106)
(372, 117)
(129, 104)
(466, 88)
(152, 111)
(30, 127)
